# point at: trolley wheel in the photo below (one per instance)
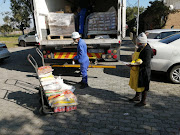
(41, 112)
(46, 110)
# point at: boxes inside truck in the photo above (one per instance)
(61, 23)
(85, 20)
(102, 22)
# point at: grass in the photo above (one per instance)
(10, 41)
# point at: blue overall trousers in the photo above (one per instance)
(83, 59)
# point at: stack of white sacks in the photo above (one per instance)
(59, 94)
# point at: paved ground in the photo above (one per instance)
(103, 107)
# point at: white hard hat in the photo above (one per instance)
(75, 35)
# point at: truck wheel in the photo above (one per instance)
(174, 74)
(22, 43)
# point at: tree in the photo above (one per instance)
(7, 19)
(155, 16)
(131, 12)
(21, 12)
(5, 29)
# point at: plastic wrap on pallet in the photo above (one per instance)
(61, 23)
(103, 21)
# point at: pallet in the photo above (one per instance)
(58, 37)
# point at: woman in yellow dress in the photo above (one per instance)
(140, 72)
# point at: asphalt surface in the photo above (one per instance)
(103, 107)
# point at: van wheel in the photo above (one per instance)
(174, 74)
(22, 43)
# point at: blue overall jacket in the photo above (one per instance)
(81, 52)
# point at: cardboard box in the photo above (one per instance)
(68, 9)
(60, 12)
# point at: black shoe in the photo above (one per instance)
(140, 104)
(134, 99)
(80, 82)
(84, 85)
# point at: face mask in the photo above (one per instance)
(75, 40)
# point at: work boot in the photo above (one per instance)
(136, 98)
(84, 85)
(80, 82)
(143, 100)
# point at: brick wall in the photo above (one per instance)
(173, 19)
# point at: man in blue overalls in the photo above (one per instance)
(82, 58)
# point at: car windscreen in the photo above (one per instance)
(32, 33)
(152, 35)
(170, 39)
(166, 34)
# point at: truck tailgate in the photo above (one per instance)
(88, 41)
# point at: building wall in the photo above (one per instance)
(175, 3)
(173, 20)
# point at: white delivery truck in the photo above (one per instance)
(102, 24)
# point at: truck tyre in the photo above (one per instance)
(22, 43)
(174, 74)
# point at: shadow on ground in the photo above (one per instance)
(18, 61)
(99, 111)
